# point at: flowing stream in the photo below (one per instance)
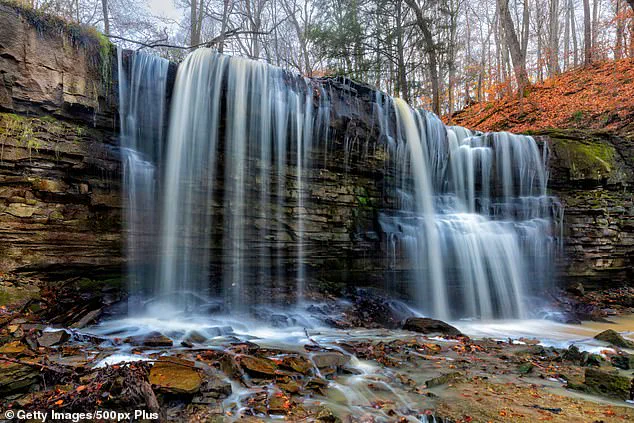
(227, 171)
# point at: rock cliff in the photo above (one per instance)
(592, 172)
(60, 205)
(59, 169)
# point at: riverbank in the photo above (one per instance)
(290, 365)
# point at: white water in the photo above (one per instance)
(475, 221)
(235, 123)
(473, 217)
(142, 109)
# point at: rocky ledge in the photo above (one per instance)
(427, 369)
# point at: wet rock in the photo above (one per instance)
(623, 361)
(430, 326)
(175, 376)
(317, 384)
(87, 319)
(296, 363)
(291, 386)
(213, 389)
(282, 321)
(443, 379)
(195, 337)
(49, 339)
(15, 378)
(325, 415)
(609, 384)
(244, 347)
(372, 308)
(329, 359)
(257, 366)
(153, 339)
(578, 289)
(278, 403)
(614, 338)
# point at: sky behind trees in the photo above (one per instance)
(438, 54)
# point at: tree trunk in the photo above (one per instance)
(517, 55)
(587, 33)
(567, 37)
(595, 28)
(620, 30)
(400, 54)
(573, 33)
(223, 26)
(106, 17)
(430, 50)
(194, 35)
(553, 39)
(631, 3)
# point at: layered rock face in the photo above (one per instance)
(592, 173)
(60, 176)
(59, 173)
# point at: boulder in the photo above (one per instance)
(296, 363)
(175, 376)
(87, 319)
(329, 359)
(49, 339)
(257, 366)
(614, 338)
(213, 389)
(443, 379)
(430, 326)
(15, 378)
(195, 337)
(623, 361)
(609, 384)
(153, 339)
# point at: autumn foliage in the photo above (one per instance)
(597, 97)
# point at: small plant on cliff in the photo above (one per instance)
(97, 45)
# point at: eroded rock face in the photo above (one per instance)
(44, 70)
(59, 195)
(592, 172)
(59, 171)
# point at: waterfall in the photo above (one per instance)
(475, 220)
(142, 108)
(467, 213)
(247, 127)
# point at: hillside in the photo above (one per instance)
(598, 97)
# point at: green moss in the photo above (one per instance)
(605, 383)
(87, 284)
(577, 116)
(588, 158)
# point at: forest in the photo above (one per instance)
(438, 54)
(317, 211)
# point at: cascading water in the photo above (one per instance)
(142, 110)
(475, 220)
(248, 127)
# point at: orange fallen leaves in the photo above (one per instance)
(601, 96)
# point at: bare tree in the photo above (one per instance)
(517, 51)
(425, 25)
(587, 33)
